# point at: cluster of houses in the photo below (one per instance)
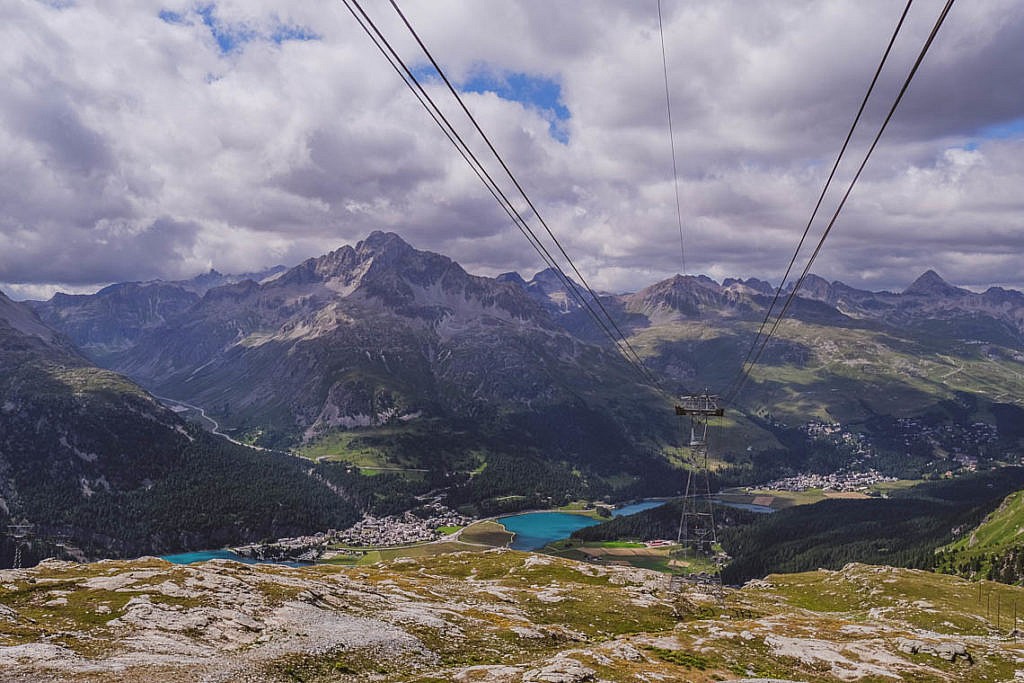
(410, 527)
(837, 481)
(834, 432)
(962, 443)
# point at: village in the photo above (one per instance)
(425, 523)
(408, 528)
(837, 481)
(963, 443)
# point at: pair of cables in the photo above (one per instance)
(762, 338)
(582, 292)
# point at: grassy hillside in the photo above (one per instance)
(993, 550)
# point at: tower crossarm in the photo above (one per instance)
(700, 405)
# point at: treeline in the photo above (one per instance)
(1005, 566)
(661, 522)
(903, 530)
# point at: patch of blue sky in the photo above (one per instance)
(170, 17)
(229, 37)
(534, 92)
(232, 37)
(543, 95)
(1008, 130)
(1005, 130)
(425, 73)
(283, 33)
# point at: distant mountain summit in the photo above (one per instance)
(204, 282)
(930, 284)
(558, 294)
(385, 271)
(114, 318)
(20, 320)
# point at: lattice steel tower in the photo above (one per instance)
(698, 537)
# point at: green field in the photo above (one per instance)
(486, 533)
(343, 446)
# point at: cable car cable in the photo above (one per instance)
(672, 141)
(824, 190)
(792, 295)
(380, 41)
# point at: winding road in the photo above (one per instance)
(216, 425)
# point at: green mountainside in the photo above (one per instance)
(93, 466)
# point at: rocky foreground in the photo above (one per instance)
(494, 616)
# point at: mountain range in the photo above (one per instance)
(452, 370)
(384, 336)
(500, 391)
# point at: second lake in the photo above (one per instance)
(535, 530)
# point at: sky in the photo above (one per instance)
(143, 140)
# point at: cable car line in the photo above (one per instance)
(672, 141)
(824, 190)
(792, 295)
(454, 137)
(522, 192)
(397, 63)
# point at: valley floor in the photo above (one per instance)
(497, 616)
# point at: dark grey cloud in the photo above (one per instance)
(89, 255)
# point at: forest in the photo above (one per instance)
(903, 530)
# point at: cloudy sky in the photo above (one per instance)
(144, 140)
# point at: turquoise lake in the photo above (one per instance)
(532, 530)
(203, 555)
(535, 530)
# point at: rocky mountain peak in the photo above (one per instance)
(386, 243)
(815, 287)
(751, 283)
(931, 284)
(381, 256)
(512, 278)
(684, 294)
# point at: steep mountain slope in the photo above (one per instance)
(994, 550)
(97, 467)
(114, 318)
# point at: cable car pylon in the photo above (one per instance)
(697, 536)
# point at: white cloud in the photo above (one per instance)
(132, 147)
